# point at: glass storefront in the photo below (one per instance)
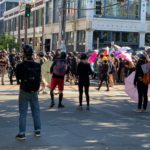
(123, 9)
(120, 38)
(147, 39)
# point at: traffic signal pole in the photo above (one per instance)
(27, 16)
(25, 30)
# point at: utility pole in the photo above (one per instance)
(27, 16)
(43, 27)
(19, 41)
(25, 30)
(34, 26)
(62, 29)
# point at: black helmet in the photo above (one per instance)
(28, 51)
(83, 56)
(63, 55)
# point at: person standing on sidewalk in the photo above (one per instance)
(58, 70)
(3, 65)
(104, 73)
(142, 88)
(28, 74)
(83, 72)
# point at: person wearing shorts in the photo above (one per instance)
(57, 80)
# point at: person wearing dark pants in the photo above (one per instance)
(142, 96)
(104, 73)
(86, 89)
(142, 88)
(28, 74)
(83, 72)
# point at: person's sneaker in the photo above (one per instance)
(61, 106)
(37, 133)
(20, 137)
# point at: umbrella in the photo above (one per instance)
(124, 48)
(116, 47)
(130, 89)
(121, 54)
(93, 57)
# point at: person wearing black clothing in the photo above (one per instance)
(28, 74)
(83, 72)
(104, 73)
(142, 88)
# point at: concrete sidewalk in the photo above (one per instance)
(111, 124)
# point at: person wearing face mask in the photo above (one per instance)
(142, 88)
(83, 72)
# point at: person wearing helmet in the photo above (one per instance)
(28, 74)
(104, 73)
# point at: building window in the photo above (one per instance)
(69, 41)
(70, 10)
(82, 8)
(123, 9)
(39, 17)
(10, 5)
(147, 39)
(121, 38)
(54, 41)
(48, 12)
(21, 22)
(148, 10)
(30, 21)
(56, 9)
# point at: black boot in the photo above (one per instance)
(52, 99)
(60, 101)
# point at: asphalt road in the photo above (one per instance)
(111, 123)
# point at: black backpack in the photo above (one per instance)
(31, 77)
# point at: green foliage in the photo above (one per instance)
(8, 42)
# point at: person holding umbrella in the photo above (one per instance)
(142, 88)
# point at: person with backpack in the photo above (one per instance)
(28, 74)
(58, 70)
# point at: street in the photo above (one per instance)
(111, 123)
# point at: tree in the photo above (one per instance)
(8, 42)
